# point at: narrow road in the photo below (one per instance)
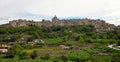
(111, 46)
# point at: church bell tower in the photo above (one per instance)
(54, 19)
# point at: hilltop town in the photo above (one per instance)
(60, 39)
(59, 31)
(100, 25)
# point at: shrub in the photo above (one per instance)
(14, 50)
(78, 56)
(34, 54)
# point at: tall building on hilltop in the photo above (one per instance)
(54, 19)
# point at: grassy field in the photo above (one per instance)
(44, 48)
(53, 40)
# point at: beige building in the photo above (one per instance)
(3, 48)
(63, 47)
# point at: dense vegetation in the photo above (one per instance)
(86, 45)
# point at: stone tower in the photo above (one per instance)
(54, 19)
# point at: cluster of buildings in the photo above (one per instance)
(100, 25)
(3, 48)
(118, 26)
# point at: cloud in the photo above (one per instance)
(31, 16)
(33, 9)
(50, 7)
(69, 7)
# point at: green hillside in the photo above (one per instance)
(79, 44)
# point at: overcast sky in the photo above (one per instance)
(108, 10)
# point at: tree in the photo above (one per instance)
(14, 50)
(34, 54)
(118, 43)
(77, 38)
(79, 56)
(64, 58)
(81, 40)
(23, 55)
